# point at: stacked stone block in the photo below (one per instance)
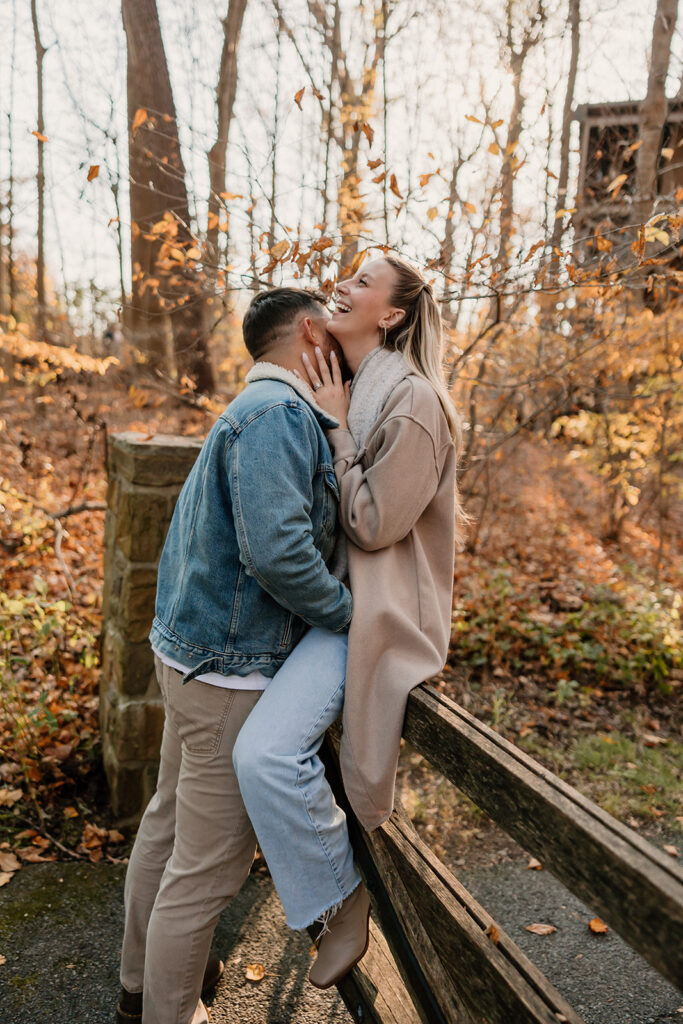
(145, 478)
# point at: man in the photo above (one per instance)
(241, 574)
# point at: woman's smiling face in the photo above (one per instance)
(363, 303)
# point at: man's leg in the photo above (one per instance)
(213, 850)
(152, 848)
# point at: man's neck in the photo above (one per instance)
(286, 360)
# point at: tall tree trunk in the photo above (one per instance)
(161, 279)
(273, 163)
(653, 110)
(3, 267)
(40, 182)
(11, 270)
(225, 97)
(516, 57)
(563, 176)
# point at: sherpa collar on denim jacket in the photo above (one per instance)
(273, 371)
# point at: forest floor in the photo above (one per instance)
(517, 627)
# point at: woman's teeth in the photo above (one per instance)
(342, 307)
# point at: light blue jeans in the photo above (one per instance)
(299, 826)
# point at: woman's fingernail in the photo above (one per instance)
(333, 355)
(317, 348)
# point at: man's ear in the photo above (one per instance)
(393, 318)
(308, 331)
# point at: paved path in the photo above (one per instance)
(60, 930)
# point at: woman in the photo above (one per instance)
(394, 460)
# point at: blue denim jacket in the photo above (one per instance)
(243, 567)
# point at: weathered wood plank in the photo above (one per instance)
(387, 892)
(437, 932)
(496, 981)
(636, 888)
(373, 992)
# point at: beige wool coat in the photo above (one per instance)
(397, 508)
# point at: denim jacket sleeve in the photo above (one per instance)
(271, 468)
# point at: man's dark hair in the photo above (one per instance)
(270, 313)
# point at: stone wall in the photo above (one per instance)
(145, 478)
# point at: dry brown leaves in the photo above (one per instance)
(597, 926)
(95, 842)
(540, 929)
(255, 972)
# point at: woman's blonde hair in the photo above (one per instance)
(420, 339)
(419, 336)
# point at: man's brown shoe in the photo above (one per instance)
(345, 940)
(129, 1009)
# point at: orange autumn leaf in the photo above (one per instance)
(93, 171)
(297, 97)
(492, 933)
(597, 926)
(357, 260)
(138, 120)
(40, 136)
(254, 972)
(393, 185)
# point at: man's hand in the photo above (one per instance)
(331, 393)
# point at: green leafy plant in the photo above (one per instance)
(627, 637)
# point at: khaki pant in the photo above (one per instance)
(193, 850)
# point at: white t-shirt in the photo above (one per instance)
(254, 681)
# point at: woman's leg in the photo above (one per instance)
(300, 828)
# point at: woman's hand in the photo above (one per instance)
(331, 393)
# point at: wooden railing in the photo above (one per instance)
(435, 954)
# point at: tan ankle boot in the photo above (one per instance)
(345, 941)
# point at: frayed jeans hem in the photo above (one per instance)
(326, 914)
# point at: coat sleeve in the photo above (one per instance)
(271, 471)
(380, 504)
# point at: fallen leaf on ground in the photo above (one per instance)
(540, 929)
(8, 862)
(492, 933)
(31, 855)
(597, 926)
(671, 850)
(8, 797)
(534, 865)
(313, 951)
(3, 959)
(5, 877)
(254, 972)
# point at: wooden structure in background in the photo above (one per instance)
(609, 134)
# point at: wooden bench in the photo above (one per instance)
(435, 954)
